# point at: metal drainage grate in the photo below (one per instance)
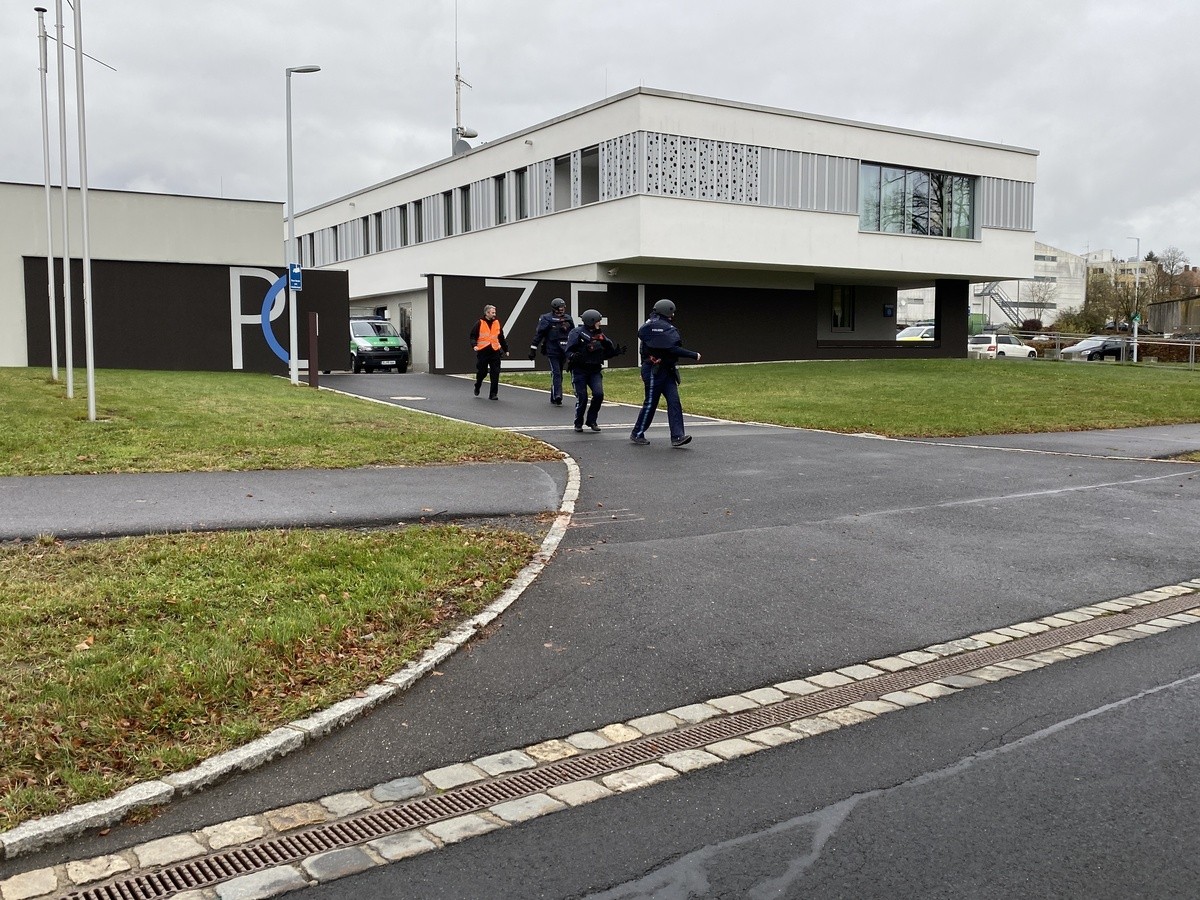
(226, 865)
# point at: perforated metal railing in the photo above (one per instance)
(226, 865)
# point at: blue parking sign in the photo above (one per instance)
(295, 277)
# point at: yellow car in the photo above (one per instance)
(915, 333)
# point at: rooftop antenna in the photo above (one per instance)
(457, 143)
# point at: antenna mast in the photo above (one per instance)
(457, 144)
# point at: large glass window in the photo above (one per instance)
(522, 193)
(501, 200)
(915, 201)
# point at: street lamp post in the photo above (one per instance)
(1137, 282)
(293, 365)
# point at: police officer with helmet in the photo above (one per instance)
(553, 329)
(587, 349)
(662, 348)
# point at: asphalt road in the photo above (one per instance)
(761, 554)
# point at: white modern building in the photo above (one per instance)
(734, 210)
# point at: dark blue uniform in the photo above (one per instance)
(662, 347)
(588, 350)
(551, 338)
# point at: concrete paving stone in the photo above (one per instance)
(689, 760)
(992, 638)
(1055, 621)
(1114, 605)
(402, 846)
(1074, 615)
(503, 763)
(847, 715)
(733, 703)
(655, 724)
(892, 664)
(85, 871)
(1049, 657)
(398, 790)
(696, 712)
(261, 885)
(237, 831)
(992, 673)
(640, 777)
(1185, 618)
(337, 864)
(1128, 633)
(1019, 665)
(920, 657)
(1074, 654)
(1084, 646)
(1012, 632)
(28, 885)
(860, 672)
(620, 733)
(904, 698)
(766, 696)
(588, 740)
(298, 815)
(1175, 590)
(165, 851)
(1108, 640)
(734, 748)
(960, 645)
(776, 736)
(526, 808)
(799, 687)
(829, 679)
(550, 751)
(451, 831)
(452, 776)
(1152, 596)
(577, 793)
(933, 690)
(1134, 601)
(1165, 622)
(875, 707)
(812, 726)
(1031, 627)
(345, 804)
(207, 894)
(961, 681)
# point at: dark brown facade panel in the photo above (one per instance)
(186, 316)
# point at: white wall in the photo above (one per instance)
(126, 226)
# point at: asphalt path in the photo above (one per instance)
(759, 554)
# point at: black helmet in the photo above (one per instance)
(558, 303)
(591, 317)
(665, 308)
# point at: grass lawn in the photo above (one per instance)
(206, 421)
(928, 398)
(128, 659)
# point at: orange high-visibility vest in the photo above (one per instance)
(489, 335)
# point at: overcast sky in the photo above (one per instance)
(1104, 89)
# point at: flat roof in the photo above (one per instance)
(691, 98)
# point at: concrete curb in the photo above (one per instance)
(38, 833)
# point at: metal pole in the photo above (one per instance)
(1137, 282)
(89, 350)
(289, 256)
(66, 217)
(51, 289)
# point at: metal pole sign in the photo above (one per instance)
(295, 277)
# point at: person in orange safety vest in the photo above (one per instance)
(488, 341)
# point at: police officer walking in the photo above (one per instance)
(587, 349)
(662, 348)
(553, 328)
(487, 338)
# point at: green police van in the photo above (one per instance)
(375, 344)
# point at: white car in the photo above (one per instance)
(991, 345)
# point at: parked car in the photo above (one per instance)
(990, 345)
(375, 344)
(915, 333)
(1097, 348)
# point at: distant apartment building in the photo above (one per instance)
(1057, 286)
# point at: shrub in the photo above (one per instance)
(1031, 325)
